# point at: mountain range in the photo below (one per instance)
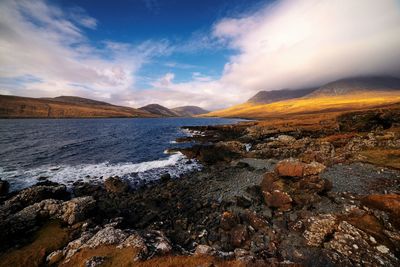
(78, 107)
(340, 95)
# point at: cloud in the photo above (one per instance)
(309, 42)
(49, 44)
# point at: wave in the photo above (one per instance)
(136, 173)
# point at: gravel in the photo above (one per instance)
(362, 178)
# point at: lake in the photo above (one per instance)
(90, 150)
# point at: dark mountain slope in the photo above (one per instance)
(266, 97)
(189, 111)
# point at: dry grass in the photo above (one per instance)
(310, 105)
(114, 257)
(49, 238)
(382, 157)
(188, 261)
(24, 107)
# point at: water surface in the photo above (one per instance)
(68, 150)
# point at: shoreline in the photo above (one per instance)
(299, 196)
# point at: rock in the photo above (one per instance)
(319, 228)
(313, 168)
(278, 199)
(389, 203)
(255, 221)
(106, 236)
(243, 255)
(243, 201)
(355, 245)
(295, 168)
(271, 182)
(95, 261)
(77, 209)
(115, 185)
(233, 146)
(286, 139)
(137, 242)
(4, 187)
(238, 235)
(25, 220)
(290, 168)
(228, 220)
(35, 194)
(54, 257)
(203, 250)
(158, 242)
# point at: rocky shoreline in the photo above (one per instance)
(284, 192)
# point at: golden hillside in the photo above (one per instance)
(307, 105)
(25, 107)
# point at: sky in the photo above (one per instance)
(209, 53)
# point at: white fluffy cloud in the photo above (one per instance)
(42, 41)
(308, 42)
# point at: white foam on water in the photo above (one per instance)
(176, 164)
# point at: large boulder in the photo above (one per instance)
(28, 218)
(357, 247)
(389, 203)
(293, 182)
(109, 239)
(295, 168)
(290, 168)
(34, 194)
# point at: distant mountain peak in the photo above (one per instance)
(354, 85)
(77, 100)
(267, 97)
(189, 111)
(184, 111)
(159, 110)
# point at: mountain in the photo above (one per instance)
(266, 97)
(77, 100)
(189, 111)
(63, 107)
(337, 96)
(160, 110)
(358, 85)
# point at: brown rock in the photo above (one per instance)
(202, 250)
(290, 168)
(278, 199)
(313, 168)
(255, 221)
(271, 182)
(228, 220)
(115, 185)
(389, 203)
(296, 168)
(238, 236)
